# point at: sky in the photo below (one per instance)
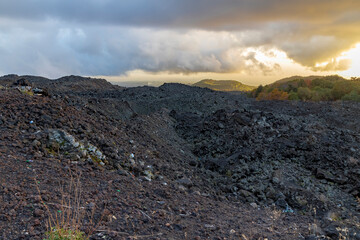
(253, 41)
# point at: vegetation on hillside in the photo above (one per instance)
(329, 88)
(224, 85)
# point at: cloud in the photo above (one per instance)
(314, 49)
(108, 37)
(333, 65)
(59, 50)
(185, 13)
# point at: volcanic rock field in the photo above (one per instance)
(175, 162)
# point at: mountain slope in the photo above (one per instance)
(307, 78)
(224, 85)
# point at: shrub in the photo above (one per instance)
(341, 89)
(65, 234)
(352, 96)
(321, 94)
(304, 93)
(275, 94)
(293, 96)
(257, 91)
(323, 83)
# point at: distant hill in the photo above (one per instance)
(311, 88)
(307, 78)
(224, 85)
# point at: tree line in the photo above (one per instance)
(329, 88)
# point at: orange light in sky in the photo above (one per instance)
(354, 55)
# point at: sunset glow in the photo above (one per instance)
(354, 56)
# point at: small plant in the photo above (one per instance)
(65, 234)
(66, 218)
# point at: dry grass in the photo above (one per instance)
(65, 219)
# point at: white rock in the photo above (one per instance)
(254, 205)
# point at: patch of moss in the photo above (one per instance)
(95, 159)
(27, 92)
(51, 151)
(336, 219)
(62, 143)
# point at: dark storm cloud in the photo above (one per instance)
(110, 37)
(185, 13)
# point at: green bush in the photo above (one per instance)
(304, 93)
(290, 88)
(321, 94)
(293, 96)
(257, 91)
(301, 83)
(342, 88)
(323, 83)
(352, 96)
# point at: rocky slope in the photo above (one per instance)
(176, 162)
(63, 85)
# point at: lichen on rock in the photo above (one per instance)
(61, 140)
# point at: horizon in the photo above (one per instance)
(152, 41)
(157, 83)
